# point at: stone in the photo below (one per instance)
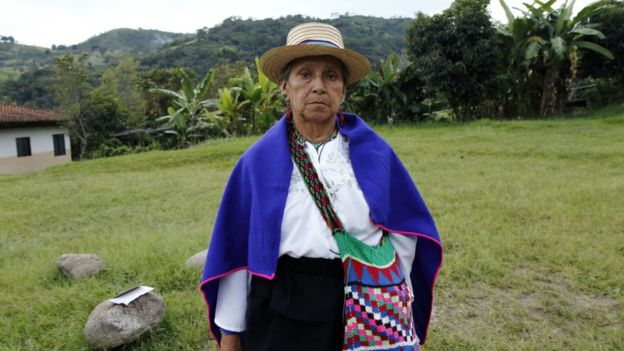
(197, 261)
(80, 265)
(111, 325)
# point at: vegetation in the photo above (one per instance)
(16, 59)
(122, 83)
(71, 89)
(458, 45)
(529, 212)
(254, 105)
(457, 65)
(236, 39)
(33, 88)
(547, 44)
(378, 97)
(526, 67)
(606, 75)
(189, 114)
(103, 50)
(137, 41)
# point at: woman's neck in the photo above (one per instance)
(315, 131)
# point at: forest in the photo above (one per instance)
(129, 91)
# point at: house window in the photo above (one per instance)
(59, 144)
(23, 146)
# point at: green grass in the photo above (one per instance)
(530, 213)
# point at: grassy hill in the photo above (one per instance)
(17, 58)
(233, 40)
(138, 41)
(244, 39)
(105, 48)
(530, 213)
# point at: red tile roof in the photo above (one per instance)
(19, 115)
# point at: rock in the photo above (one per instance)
(110, 325)
(197, 261)
(80, 265)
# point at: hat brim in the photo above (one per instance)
(273, 62)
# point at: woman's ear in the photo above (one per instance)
(283, 90)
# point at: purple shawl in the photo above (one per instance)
(246, 233)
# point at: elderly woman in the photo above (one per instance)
(322, 241)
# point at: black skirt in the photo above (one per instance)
(300, 309)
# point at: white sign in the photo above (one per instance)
(130, 295)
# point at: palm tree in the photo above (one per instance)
(547, 42)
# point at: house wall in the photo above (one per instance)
(41, 146)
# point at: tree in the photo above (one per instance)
(32, 88)
(456, 54)
(101, 116)
(188, 115)
(549, 42)
(7, 39)
(609, 21)
(70, 88)
(122, 82)
(166, 78)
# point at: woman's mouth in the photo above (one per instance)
(318, 102)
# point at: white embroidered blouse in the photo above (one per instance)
(305, 233)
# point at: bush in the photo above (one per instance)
(114, 147)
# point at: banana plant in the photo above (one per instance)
(252, 101)
(230, 107)
(550, 40)
(188, 116)
(379, 92)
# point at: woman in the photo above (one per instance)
(273, 278)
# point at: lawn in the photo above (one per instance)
(530, 213)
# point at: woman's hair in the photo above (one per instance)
(289, 66)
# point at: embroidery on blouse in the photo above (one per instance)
(336, 169)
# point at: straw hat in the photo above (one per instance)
(313, 39)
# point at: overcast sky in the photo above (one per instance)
(47, 22)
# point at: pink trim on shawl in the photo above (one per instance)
(201, 285)
(435, 277)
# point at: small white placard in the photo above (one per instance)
(130, 295)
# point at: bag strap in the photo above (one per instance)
(296, 143)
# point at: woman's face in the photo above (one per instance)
(315, 88)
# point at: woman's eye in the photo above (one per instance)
(332, 76)
(305, 74)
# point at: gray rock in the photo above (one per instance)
(197, 261)
(80, 265)
(110, 325)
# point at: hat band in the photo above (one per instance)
(320, 42)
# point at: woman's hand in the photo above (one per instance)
(231, 343)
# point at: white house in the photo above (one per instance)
(31, 139)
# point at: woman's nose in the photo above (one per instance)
(318, 85)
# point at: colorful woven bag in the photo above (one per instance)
(378, 303)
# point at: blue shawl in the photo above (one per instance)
(246, 233)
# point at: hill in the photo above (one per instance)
(233, 40)
(244, 39)
(17, 58)
(529, 213)
(135, 41)
(103, 49)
